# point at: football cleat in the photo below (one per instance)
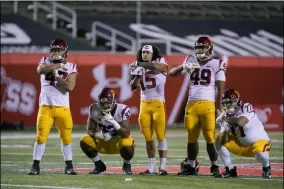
(100, 167)
(266, 172)
(126, 169)
(228, 173)
(35, 170)
(187, 170)
(147, 172)
(163, 172)
(70, 171)
(214, 170)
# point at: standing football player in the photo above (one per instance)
(108, 132)
(242, 133)
(58, 78)
(149, 72)
(206, 74)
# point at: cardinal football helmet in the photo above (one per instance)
(203, 48)
(58, 50)
(230, 101)
(107, 100)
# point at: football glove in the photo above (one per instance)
(137, 71)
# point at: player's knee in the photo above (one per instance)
(40, 139)
(209, 139)
(66, 140)
(125, 142)
(162, 145)
(85, 139)
(192, 137)
(161, 136)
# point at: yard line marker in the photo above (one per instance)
(34, 186)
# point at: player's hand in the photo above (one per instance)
(107, 116)
(220, 115)
(225, 125)
(107, 136)
(63, 66)
(137, 71)
(188, 67)
(55, 73)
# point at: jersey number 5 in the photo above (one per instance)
(149, 86)
(202, 77)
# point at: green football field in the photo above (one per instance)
(17, 150)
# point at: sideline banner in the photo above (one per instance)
(258, 79)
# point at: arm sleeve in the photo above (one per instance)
(247, 111)
(221, 71)
(125, 113)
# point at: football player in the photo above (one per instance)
(242, 133)
(108, 132)
(205, 74)
(149, 72)
(58, 78)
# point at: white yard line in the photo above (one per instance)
(79, 135)
(280, 179)
(103, 155)
(35, 186)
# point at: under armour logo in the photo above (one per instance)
(112, 82)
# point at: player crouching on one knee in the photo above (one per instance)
(242, 134)
(108, 132)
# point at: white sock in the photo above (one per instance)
(127, 161)
(153, 166)
(67, 151)
(38, 151)
(96, 158)
(263, 158)
(191, 163)
(163, 162)
(224, 154)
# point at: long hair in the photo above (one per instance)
(156, 54)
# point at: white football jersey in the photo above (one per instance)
(120, 112)
(253, 130)
(51, 92)
(202, 78)
(153, 83)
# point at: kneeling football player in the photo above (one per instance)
(242, 133)
(108, 132)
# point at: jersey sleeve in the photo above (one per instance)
(220, 72)
(162, 61)
(91, 110)
(247, 111)
(125, 113)
(74, 69)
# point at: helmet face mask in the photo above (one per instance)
(230, 101)
(107, 100)
(230, 106)
(57, 54)
(106, 105)
(58, 50)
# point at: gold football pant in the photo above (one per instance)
(112, 146)
(152, 117)
(47, 116)
(236, 147)
(200, 115)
